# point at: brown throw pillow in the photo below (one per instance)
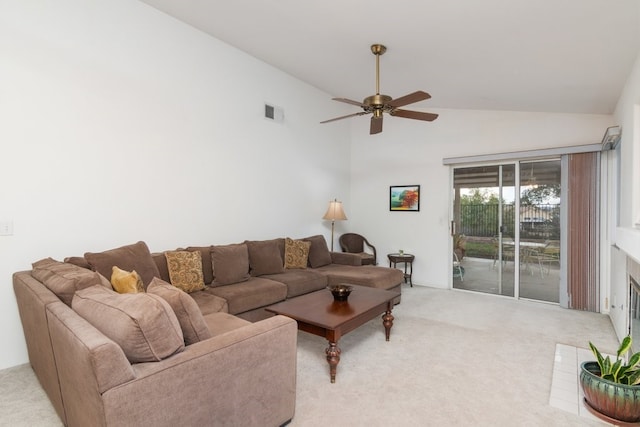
(79, 261)
(64, 279)
(264, 257)
(296, 253)
(131, 257)
(194, 328)
(319, 254)
(185, 270)
(230, 264)
(142, 324)
(125, 282)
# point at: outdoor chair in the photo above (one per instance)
(355, 243)
(458, 269)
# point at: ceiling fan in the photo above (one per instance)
(378, 104)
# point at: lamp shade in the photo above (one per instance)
(335, 211)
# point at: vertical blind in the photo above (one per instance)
(582, 234)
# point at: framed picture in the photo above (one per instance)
(404, 198)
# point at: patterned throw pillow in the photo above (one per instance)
(125, 282)
(296, 253)
(185, 270)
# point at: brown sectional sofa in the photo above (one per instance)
(196, 371)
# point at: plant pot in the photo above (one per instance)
(617, 401)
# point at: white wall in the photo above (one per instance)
(411, 152)
(118, 124)
(627, 115)
(627, 234)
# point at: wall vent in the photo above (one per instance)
(273, 113)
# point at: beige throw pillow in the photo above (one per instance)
(126, 282)
(296, 253)
(185, 270)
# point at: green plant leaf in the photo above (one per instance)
(606, 366)
(625, 345)
(615, 370)
(634, 360)
(634, 377)
(599, 358)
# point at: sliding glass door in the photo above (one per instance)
(506, 222)
(484, 224)
(539, 220)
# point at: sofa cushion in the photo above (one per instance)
(255, 293)
(125, 282)
(319, 254)
(296, 253)
(185, 270)
(161, 263)
(299, 281)
(130, 257)
(366, 275)
(230, 264)
(192, 324)
(264, 257)
(209, 303)
(142, 324)
(64, 279)
(219, 323)
(207, 267)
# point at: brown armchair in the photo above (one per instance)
(355, 243)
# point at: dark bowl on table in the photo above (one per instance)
(340, 292)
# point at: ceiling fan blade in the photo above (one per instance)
(417, 115)
(376, 125)
(344, 117)
(349, 101)
(409, 99)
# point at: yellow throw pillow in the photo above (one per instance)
(296, 253)
(125, 282)
(185, 270)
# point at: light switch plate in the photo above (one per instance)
(6, 228)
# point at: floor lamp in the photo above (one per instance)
(334, 213)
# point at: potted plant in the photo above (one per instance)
(613, 388)
(460, 245)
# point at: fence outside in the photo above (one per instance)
(541, 221)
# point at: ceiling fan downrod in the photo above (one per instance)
(378, 50)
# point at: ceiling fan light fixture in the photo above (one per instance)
(378, 104)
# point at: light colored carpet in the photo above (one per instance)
(454, 359)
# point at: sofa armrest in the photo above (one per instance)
(246, 377)
(345, 258)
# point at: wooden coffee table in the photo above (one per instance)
(317, 313)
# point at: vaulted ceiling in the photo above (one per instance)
(570, 56)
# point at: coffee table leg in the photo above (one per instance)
(387, 321)
(333, 357)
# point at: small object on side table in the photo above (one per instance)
(340, 292)
(403, 258)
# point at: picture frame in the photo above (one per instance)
(404, 198)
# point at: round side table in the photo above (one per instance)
(407, 260)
